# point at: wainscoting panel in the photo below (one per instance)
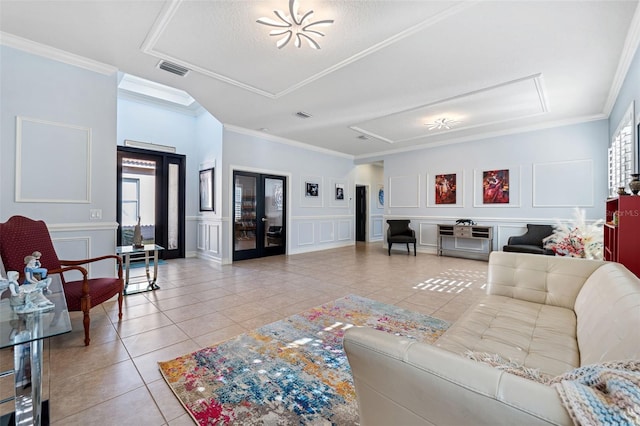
(344, 230)
(201, 243)
(377, 227)
(73, 248)
(214, 239)
(427, 234)
(305, 233)
(326, 232)
(65, 150)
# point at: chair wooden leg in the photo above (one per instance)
(408, 251)
(390, 248)
(86, 322)
(414, 248)
(85, 304)
(120, 298)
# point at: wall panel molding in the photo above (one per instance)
(404, 191)
(574, 181)
(64, 150)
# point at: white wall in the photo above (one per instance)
(68, 117)
(551, 172)
(313, 224)
(209, 225)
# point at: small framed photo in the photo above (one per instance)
(339, 191)
(312, 189)
(207, 190)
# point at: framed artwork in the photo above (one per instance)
(206, 190)
(445, 189)
(380, 196)
(340, 197)
(497, 187)
(312, 189)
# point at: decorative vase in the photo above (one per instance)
(137, 235)
(621, 191)
(634, 184)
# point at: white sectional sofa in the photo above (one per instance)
(549, 313)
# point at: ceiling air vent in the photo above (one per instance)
(301, 114)
(173, 68)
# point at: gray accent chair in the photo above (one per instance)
(399, 231)
(531, 241)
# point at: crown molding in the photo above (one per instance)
(55, 54)
(360, 159)
(631, 44)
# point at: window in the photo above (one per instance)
(130, 201)
(623, 153)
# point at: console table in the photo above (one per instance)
(146, 251)
(25, 333)
(471, 241)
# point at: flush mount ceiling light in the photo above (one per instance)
(295, 24)
(442, 123)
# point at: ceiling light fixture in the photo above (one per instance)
(442, 123)
(295, 24)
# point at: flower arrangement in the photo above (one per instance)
(577, 238)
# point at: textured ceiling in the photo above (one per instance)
(385, 68)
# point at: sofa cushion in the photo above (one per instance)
(532, 334)
(608, 312)
(550, 280)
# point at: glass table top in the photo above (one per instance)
(17, 328)
(132, 249)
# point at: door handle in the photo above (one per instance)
(264, 219)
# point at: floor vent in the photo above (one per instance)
(173, 68)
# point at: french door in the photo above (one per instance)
(259, 215)
(151, 190)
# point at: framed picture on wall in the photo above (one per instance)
(206, 190)
(496, 187)
(445, 189)
(380, 196)
(312, 189)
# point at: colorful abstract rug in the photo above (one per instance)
(290, 372)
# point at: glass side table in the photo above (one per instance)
(147, 251)
(25, 333)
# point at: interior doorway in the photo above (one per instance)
(259, 215)
(361, 213)
(151, 191)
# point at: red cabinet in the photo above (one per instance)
(622, 232)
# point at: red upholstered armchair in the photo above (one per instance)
(21, 236)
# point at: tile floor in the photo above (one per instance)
(115, 380)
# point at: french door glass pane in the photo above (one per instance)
(172, 214)
(273, 204)
(138, 199)
(245, 217)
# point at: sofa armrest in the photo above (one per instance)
(401, 381)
